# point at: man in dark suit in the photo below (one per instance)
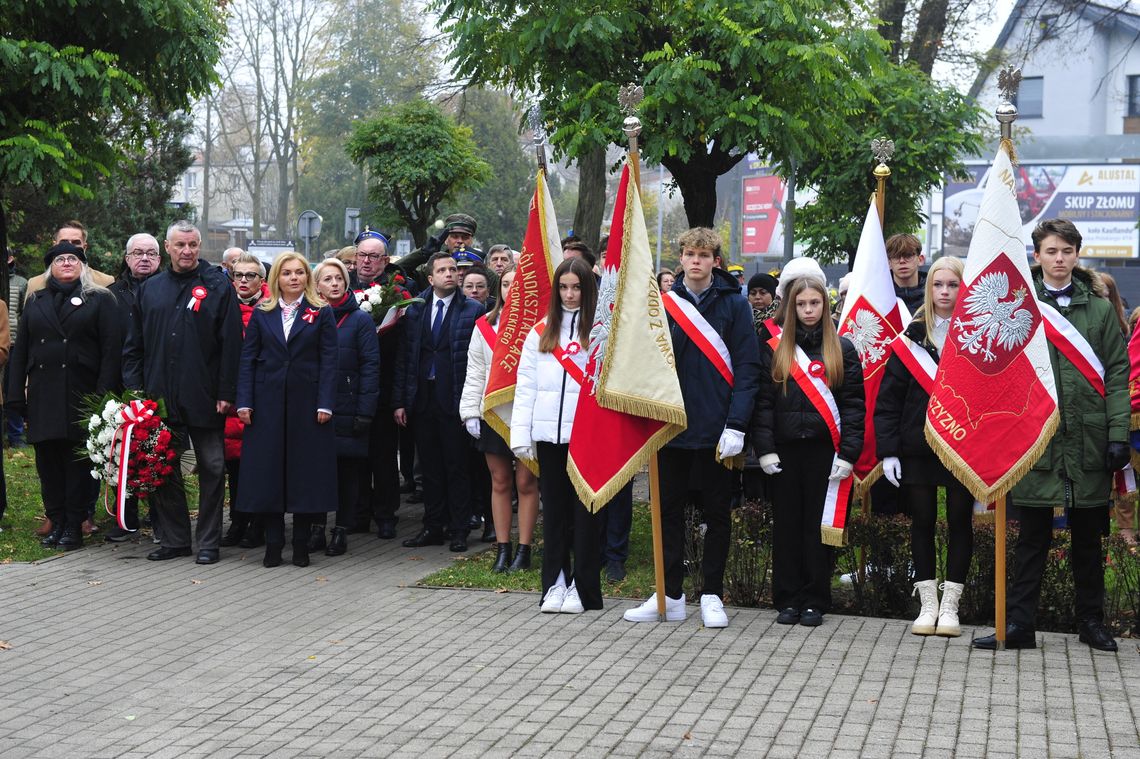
(184, 346)
(430, 370)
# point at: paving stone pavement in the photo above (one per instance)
(114, 656)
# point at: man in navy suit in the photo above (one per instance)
(430, 370)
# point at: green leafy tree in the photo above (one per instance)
(931, 126)
(501, 205)
(722, 78)
(372, 58)
(78, 81)
(416, 159)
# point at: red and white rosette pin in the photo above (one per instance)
(197, 295)
(817, 369)
(310, 315)
(573, 348)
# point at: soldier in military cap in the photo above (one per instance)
(457, 237)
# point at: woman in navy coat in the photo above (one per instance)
(285, 397)
(357, 390)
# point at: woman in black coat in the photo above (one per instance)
(909, 463)
(68, 345)
(795, 444)
(285, 398)
(357, 390)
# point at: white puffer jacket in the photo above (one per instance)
(479, 357)
(545, 395)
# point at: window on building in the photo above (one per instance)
(1031, 97)
(191, 180)
(1134, 95)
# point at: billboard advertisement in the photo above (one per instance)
(762, 205)
(1103, 201)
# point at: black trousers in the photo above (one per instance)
(923, 503)
(379, 489)
(678, 467)
(801, 563)
(66, 485)
(169, 501)
(1086, 526)
(408, 452)
(480, 482)
(615, 521)
(348, 489)
(441, 444)
(567, 527)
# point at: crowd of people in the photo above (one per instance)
(286, 387)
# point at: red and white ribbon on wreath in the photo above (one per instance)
(197, 295)
(310, 315)
(132, 413)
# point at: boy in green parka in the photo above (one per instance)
(1076, 470)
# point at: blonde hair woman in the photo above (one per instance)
(285, 397)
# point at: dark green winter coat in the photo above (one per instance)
(1072, 471)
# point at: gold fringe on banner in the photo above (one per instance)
(1134, 421)
(863, 486)
(832, 536)
(594, 501)
(1007, 146)
(964, 474)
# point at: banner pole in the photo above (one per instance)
(999, 573)
(658, 545)
(882, 149)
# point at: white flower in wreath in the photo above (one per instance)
(105, 436)
(96, 475)
(366, 307)
(94, 422)
(111, 411)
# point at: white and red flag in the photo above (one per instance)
(872, 318)
(526, 305)
(993, 408)
(630, 404)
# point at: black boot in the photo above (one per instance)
(51, 540)
(300, 551)
(522, 559)
(489, 535)
(71, 539)
(502, 558)
(254, 536)
(316, 537)
(234, 534)
(338, 544)
(272, 555)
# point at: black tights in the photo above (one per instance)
(923, 500)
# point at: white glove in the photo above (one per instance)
(840, 469)
(770, 463)
(523, 452)
(731, 443)
(473, 429)
(892, 470)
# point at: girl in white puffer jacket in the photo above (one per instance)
(546, 397)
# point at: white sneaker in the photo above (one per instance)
(647, 612)
(712, 611)
(552, 603)
(571, 603)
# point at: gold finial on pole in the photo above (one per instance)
(629, 99)
(1009, 81)
(534, 116)
(882, 150)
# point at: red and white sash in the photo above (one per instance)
(916, 360)
(834, 523)
(1072, 344)
(564, 356)
(775, 330)
(486, 330)
(693, 323)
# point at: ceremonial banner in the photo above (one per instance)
(872, 318)
(993, 408)
(526, 305)
(631, 403)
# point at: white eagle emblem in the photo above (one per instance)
(603, 315)
(996, 322)
(865, 330)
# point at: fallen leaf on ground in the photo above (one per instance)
(195, 582)
(503, 590)
(5, 645)
(688, 735)
(311, 658)
(94, 582)
(335, 642)
(321, 578)
(415, 558)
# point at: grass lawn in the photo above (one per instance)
(474, 571)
